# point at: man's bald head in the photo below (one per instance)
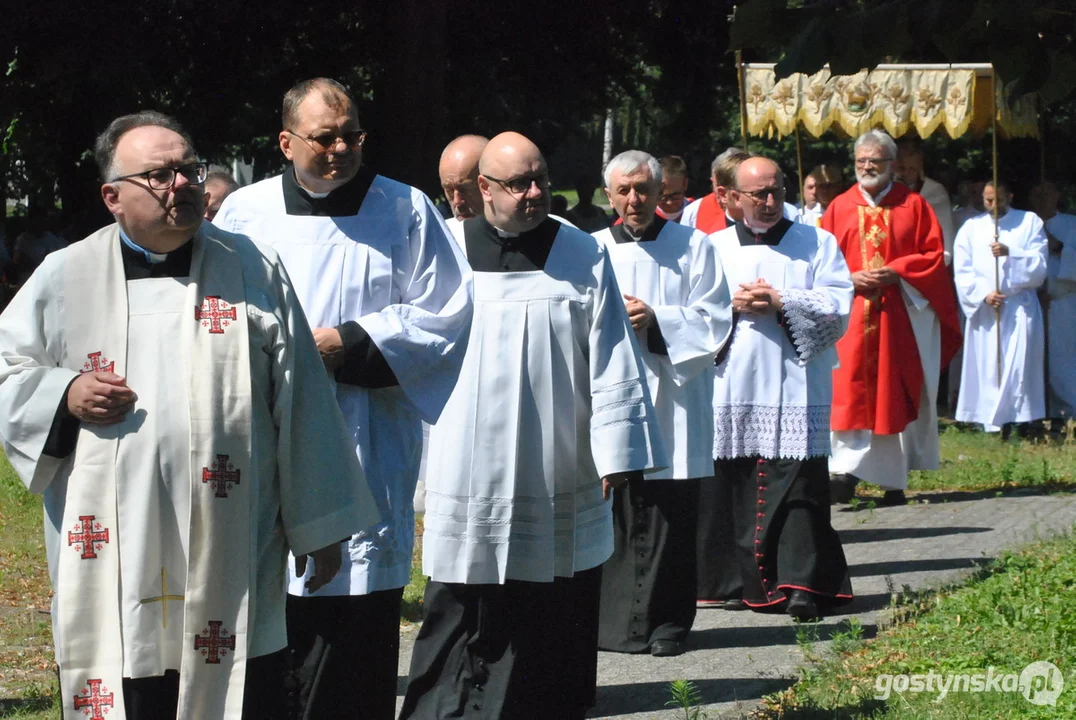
(514, 182)
(759, 193)
(459, 175)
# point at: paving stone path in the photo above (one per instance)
(735, 658)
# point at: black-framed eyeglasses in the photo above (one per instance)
(164, 177)
(520, 185)
(761, 196)
(325, 142)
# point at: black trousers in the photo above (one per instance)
(718, 571)
(505, 652)
(268, 694)
(648, 585)
(347, 649)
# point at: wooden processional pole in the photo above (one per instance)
(743, 99)
(997, 196)
(799, 163)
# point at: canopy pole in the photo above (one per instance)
(997, 195)
(799, 167)
(743, 99)
(1042, 141)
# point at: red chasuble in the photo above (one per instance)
(711, 217)
(879, 382)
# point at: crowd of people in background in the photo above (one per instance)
(620, 418)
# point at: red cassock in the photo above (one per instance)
(880, 379)
(711, 217)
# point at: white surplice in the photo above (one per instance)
(774, 385)
(290, 440)
(1061, 317)
(1020, 396)
(552, 397)
(679, 275)
(938, 198)
(395, 269)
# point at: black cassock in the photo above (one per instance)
(784, 539)
(648, 585)
(717, 570)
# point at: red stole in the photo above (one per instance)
(879, 382)
(711, 217)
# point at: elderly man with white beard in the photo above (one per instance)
(904, 328)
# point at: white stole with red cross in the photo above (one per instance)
(215, 350)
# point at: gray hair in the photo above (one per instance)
(631, 160)
(877, 138)
(104, 148)
(725, 165)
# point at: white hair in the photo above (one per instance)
(629, 161)
(877, 138)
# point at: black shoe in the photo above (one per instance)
(666, 648)
(802, 607)
(893, 498)
(842, 488)
(733, 604)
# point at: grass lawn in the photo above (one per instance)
(1017, 611)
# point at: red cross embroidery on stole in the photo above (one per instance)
(221, 475)
(97, 363)
(91, 700)
(214, 642)
(215, 314)
(88, 537)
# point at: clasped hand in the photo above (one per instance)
(999, 249)
(866, 281)
(756, 298)
(994, 299)
(640, 314)
(101, 398)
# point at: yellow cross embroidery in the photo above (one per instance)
(163, 598)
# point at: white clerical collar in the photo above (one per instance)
(504, 233)
(151, 257)
(874, 201)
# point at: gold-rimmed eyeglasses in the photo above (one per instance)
(324, 142)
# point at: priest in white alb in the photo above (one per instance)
(1015, 393)
(678, 303)
(550, 413)
(1061, 312)
(458, 171)
(388, 294)
(792, 294)
(160, 387)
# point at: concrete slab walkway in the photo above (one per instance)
(735, 658)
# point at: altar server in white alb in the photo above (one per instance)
(160, 387)
(1061, 312)
(389, 295)
(792, 294)
(550, 413)
(678, 303)
(458, 171)
(1020, 253)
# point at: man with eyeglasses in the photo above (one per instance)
(823, 184)
(550, 413)
(678, 303)
(388, 294)
(673, 199)
(791, 297)
(903, 329)
(160, 387)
